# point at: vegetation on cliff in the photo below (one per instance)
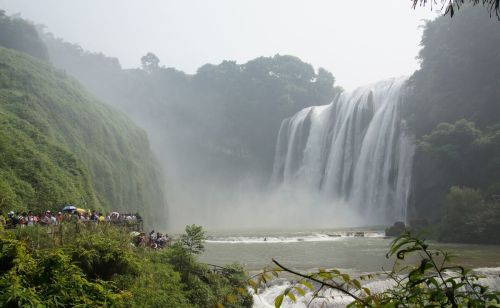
(222, 120)
(60, 145)
(454, 111)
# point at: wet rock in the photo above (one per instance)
(396, 229)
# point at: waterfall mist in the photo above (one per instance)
(343, 164)
(200, 192)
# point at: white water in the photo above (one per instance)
(308, 250)
(332, 298)
(353, 151)
(294, 238)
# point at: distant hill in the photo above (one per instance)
(58, 145)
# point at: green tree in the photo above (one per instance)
(150, 62)
(222, 121)
(21, 35)
(470, 217)
(193, 240)
(452, 108)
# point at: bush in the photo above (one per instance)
(103, 253)
(470, 217)
(96, 265)
(205, 287)
(48, 278)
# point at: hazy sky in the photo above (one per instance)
(358, 41)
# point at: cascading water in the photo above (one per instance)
(354, 150)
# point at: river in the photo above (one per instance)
(307, 250)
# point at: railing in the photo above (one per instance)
(131, 225)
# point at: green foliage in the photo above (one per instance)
(59, 145)
(156, 285)
(21, 35)
(206, 287)
(431, 280)
(455, 81)
(221, 121)
(193, 239)
(35, 172)
(455, 154)
(467, 155)
(470, 217)
(96, 265)
(48, 278)
(453, 110)
(428, 281)
(101, 254)
(150, 62)
(458, 78)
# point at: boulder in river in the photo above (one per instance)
(396, 229)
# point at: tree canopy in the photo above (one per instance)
(150, 62)
(223, 119)
(453, 109)
(18, 34)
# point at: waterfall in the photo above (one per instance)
(355, 150)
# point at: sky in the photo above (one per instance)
(359, 41)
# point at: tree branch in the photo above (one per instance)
(323, 283)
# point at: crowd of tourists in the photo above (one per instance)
(27, 219)
(155, 240)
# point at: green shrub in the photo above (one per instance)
(96, 265)
(48, 278)
(103, 253)
(470, 217)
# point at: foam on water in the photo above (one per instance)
(333, 299)
(294, 238)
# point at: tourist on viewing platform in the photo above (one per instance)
(31, 219)
(22, 219)
(94, 216)
(152, 235)
(46, 218)
(53, 219)
(75, 215)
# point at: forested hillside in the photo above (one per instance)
(61, 145)
(16, 33)
(454, 110)
(223, 120)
